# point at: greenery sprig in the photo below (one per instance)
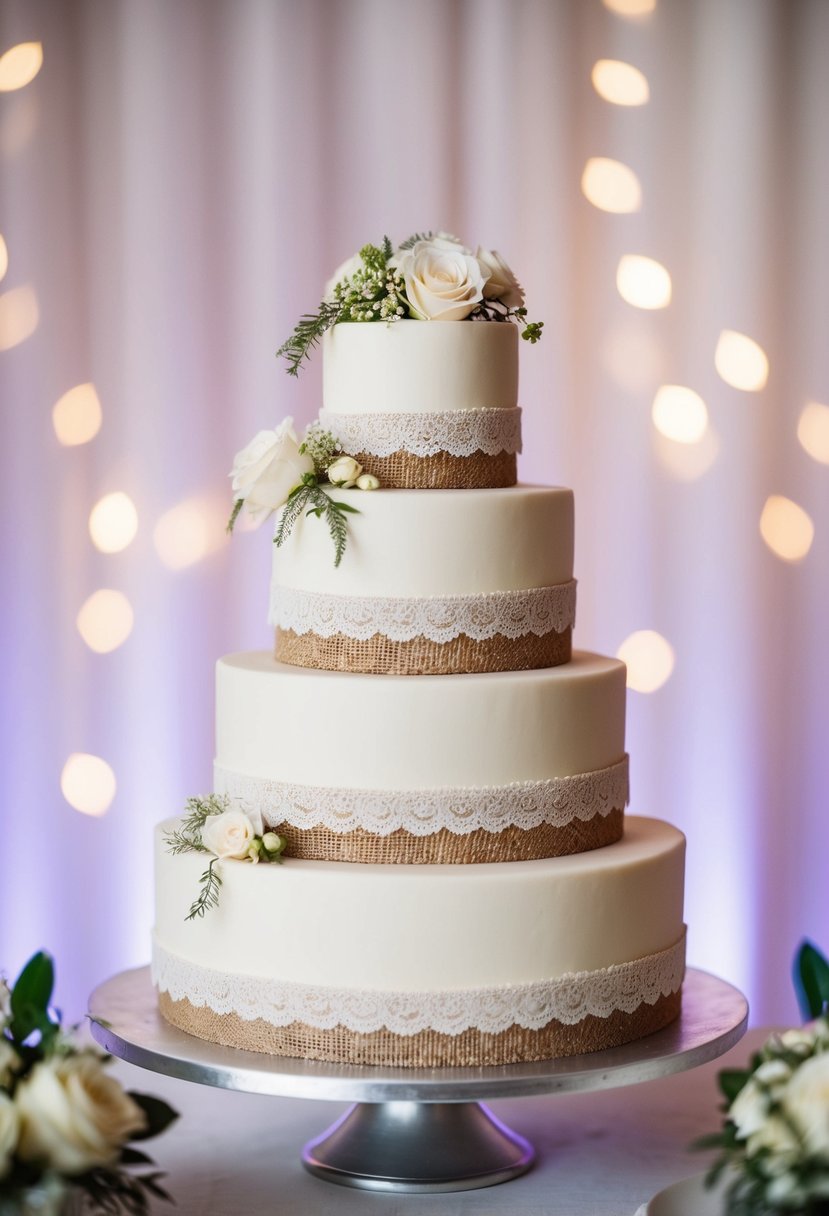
(310, 498)
(494, 310)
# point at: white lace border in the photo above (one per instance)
(522, 804)
(568, 999)
(458, 432)
(511, 614)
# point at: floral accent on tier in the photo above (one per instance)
(212, 826)
(458, 432)
(510, 614)
(567, 999)
(522, 804)
(429, 277)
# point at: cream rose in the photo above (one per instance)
(443, 281)
(367, 481)
(9, 1129)
(344, 471)
(265, 472)
(73, 1116)
(502, 284)
(749, 1110)
(806, 1100)
(230, 834)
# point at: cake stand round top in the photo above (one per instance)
(125, 1021)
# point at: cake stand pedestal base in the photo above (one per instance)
(418, 1147)
(413, 1129)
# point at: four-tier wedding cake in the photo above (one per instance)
(441, 779)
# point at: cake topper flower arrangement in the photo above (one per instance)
(775, 1139)
(67, 1127)
(432, 276)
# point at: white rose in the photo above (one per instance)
(265, 472)
(777, 1138)
(749, 1110)
(5, 1001)
(502, 284)
(344, 471)
(345, 271)
(773, 1076)
(443, 282)
(9, 1129)
(367, 481)
(230, 834)
(801, 1041)
(806, 1100)
(9, 1062)
(73, 1116)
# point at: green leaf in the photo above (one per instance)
(30, 997)
(234, 514)
(811, 981)
(344, 506)
(134, 1156)
(731, 1081)
(159, 1115)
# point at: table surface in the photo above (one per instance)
(599, 1154)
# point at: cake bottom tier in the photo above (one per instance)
(427, 966)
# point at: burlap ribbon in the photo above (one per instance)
(449, 848)
(380, 655)
(404, 471)
(428, 1049)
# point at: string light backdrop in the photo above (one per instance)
(178, 181)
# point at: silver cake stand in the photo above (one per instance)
(413, 1129)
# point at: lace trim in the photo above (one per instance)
(568, 999)
(525, 804)
(458, 432)
(438, 618)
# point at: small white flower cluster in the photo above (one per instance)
(367, 292)
(781, 1115)
(241, 836)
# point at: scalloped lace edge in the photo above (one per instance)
(525, 804)
(458, 432)
(567, 999)
(511, 614)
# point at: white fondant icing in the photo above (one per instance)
(386, 732)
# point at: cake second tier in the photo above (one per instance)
(490, 767)
(438, 583)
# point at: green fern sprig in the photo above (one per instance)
(308, 333)
(188, 836)
(208, 896)
(411, 241)
(310, 498)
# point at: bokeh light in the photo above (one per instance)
(610, 185)
(19, 65)
(189, 532)
(643, 282)
(679, 413)
(786, 528)
(813, 431)
(77, 415)
(113, 522)
(4, 258)
(19, 316)
(105, 621)
(619, 83)
(631, 8)
(632, 356)
(741, 361)
(687, 461)
(18, 123)
(88, 783)
(649, 658)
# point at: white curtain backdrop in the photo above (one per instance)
(175, 186)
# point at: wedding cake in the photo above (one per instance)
(432, 783)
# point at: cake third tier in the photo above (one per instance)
(438, 583)
(489, 767)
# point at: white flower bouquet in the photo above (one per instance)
(775, 1139)
(67, 1127)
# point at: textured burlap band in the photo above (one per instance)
(427, 1049)
(404, 471)
(421, 656)
(449, 848)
